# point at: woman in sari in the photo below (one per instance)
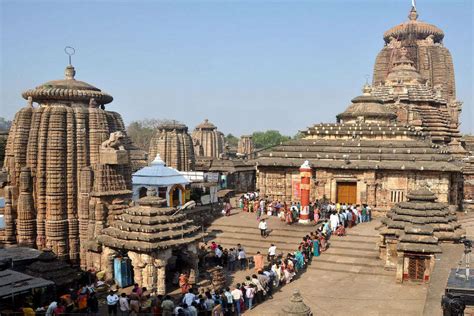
(316, 215)
(299, 260)
(288, 217)
(184, 283)
(246, 205)
(316, 247)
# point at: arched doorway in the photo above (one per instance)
(142, 192)
(176, 195)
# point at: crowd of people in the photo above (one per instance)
(270, 274)
(319, 210)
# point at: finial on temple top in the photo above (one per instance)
(69, 51)
(413, 14)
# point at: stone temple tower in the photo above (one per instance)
(48, 147)
(424, 45)
(208, 141)
(174, 145)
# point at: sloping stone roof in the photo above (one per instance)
(360, 154)
(148, 227)
(422, 210)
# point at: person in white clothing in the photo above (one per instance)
(272, 253)
(237, 295)
(334, 220)
(263, 228)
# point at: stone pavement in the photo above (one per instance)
(346, 279)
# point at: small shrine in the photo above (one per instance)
(152, 235)
(168, 182)
(410, 234)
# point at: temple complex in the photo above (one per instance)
(400, 134)
(174, 145)
(208, 141)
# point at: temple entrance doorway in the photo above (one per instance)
(181, 262)
(346, 192)
(142, 192)
(176, 196)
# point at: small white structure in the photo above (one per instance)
(169, 183)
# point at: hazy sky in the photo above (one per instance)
(244, 65)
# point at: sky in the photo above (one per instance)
(244, 65)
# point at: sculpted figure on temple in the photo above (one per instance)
(93, 103)
(115, 141)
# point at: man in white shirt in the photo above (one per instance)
(242, 259)
(272, 253)
(263, 228)
(237, 295)
(189, 297)
(112, 300)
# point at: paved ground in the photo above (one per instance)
(348, 277)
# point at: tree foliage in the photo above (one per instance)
(268, 138)
(231, 140)
(142, 131)
(5, 124)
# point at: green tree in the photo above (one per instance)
(268, 139)
(142, 131)
(231, 140)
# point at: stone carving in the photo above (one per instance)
(115, 141)
(394, 43)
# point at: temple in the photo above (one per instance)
(208, 141)
(400, 134)
(174, 145)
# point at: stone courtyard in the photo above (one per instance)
(349, 271)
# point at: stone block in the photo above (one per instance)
(113, 157)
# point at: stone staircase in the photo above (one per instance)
(356, 253)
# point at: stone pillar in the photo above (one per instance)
(195, 260)
(305, 188)
(160, 264)
(400, 267)
(108, 256)
(138, 267)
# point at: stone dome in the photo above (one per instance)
(366, 106)
(206, 125)
(68, 89)
(414, 29)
